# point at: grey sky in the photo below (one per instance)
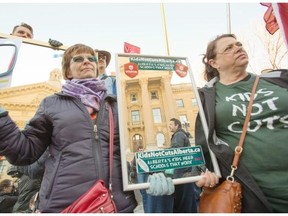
(108, 25)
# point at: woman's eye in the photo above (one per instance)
(78, 59)
(92, 59)
(228, 48)
(239, 44)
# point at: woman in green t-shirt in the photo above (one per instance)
(262, 171)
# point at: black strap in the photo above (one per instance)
(111, 145)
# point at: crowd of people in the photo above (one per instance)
(8, 195)
(18, 196)
(68, 137)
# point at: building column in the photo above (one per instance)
(168, 98)
(146, 113)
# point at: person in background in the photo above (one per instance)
(26, 31)
(262, 171)
(184, 195)
(165, 201)
(152, 204)
(27, 187)
(74, 124)
(104, 58)
(8, 196)
(23, 30)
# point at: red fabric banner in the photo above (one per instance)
(281, 13)
(129, 48)
(276, 17)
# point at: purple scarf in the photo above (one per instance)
(90, 91)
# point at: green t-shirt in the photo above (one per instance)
(265, 151)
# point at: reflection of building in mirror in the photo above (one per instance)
(149, 101)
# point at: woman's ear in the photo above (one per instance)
(69, 75)
(213, 63)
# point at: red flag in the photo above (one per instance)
(276, 17)
(281, 13)
(270, 19)
(129, 48)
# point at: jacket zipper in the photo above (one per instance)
(97, 149)
(95, 139)
(95, 131)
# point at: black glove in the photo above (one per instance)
(54, 43)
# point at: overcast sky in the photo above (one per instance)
(190, 26)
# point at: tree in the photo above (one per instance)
(265, 51)
(275, 47)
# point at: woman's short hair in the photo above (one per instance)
(68, 55)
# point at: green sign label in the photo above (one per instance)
(174, 158)
(145, 63)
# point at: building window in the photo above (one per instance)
(154, 95)
(157, 115)
(133, 97)
(183, 118)
(135, 115)
(185, 123)
(160, 138)
(137, 141)
(179, 103)
(194, 102)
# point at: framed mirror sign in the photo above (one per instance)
(151, 90)
(26, 59)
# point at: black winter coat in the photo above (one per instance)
(26, 189)
(79, 150)
(254, 200)
(7, 201)
(179, 140)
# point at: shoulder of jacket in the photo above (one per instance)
(51, 98)
(278, 73)
(180, 131)
(211, 82)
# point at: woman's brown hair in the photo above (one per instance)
(209, 71)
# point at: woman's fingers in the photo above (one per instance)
(209, 179)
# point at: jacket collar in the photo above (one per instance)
(212, 82)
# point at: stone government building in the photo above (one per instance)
(23, 101)
(149, 101)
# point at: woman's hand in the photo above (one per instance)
(209, 179)
(160, 185)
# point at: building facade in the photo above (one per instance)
(22, 103)
(147, 103)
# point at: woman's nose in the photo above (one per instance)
(238, 49)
